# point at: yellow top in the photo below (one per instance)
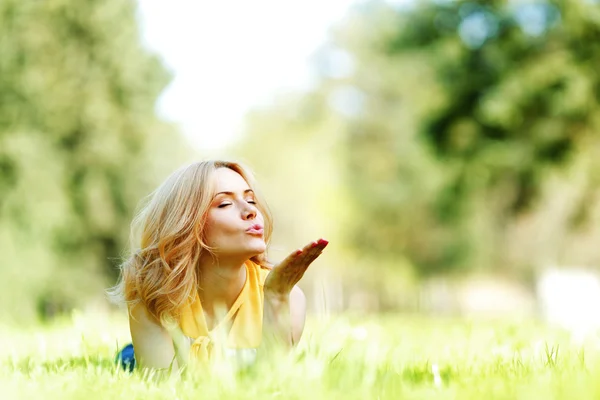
(245, 318)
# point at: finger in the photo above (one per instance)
(323, 242)
(303, 261)
(296, 258)
(289, 273)
(290, 258)
(317, 244)
(312, 251)
(283, 273)
(292, 268)
(299, 272)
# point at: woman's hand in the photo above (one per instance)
(284, 303)
(283, 277)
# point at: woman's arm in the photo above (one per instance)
(284, 303)
(154, 346)
(284, 316)
(297, 313)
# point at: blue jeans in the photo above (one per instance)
(126, 357)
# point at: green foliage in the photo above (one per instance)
(521, 90)
(454, 136)
(469, 115)
(78, 145)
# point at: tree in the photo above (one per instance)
(79, 146)
(471, 112)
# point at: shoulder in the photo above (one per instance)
(139, 315)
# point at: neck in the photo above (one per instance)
(221, 282)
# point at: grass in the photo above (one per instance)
(378, 357)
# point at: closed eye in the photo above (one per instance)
(224, 205)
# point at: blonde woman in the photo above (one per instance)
(200, 269)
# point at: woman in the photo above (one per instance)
(200, 269)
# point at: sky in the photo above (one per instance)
(229, 56)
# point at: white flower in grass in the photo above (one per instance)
(359, 333)
(241, 358)
(42, 346)
(437, 379)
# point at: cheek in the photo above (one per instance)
(218, 227)
(211, 230)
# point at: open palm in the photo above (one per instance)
(287, 273)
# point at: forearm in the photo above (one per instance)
(181, 346)
(173, 368)
(277, 322)
(284, 316)
(284, 302)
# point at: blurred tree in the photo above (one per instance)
(460, 114)
(79, 145)
(520, 89)
(291, 148)
(442, 137)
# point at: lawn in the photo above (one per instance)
(375, 357)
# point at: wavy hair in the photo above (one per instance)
(167, 240)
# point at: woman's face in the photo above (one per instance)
(234, 226)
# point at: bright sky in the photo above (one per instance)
(228, 56)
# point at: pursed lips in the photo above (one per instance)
(255, 230)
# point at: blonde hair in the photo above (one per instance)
(161, 271)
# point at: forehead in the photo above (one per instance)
(227, 180)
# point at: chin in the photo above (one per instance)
(249, 250)
(258, 250)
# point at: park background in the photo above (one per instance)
(449, 150)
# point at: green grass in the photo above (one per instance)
(351, 358)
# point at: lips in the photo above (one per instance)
(255, 229)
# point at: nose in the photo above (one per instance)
(249, 212)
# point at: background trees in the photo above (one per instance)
(440, 138)
(465, 137)
(79, 144)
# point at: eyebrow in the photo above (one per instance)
(231, 193)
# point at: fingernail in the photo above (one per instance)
(323, 241)
(314, 244)
(298, 252)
